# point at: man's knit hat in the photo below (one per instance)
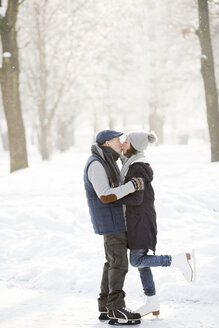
(106, 135)
(139, 140)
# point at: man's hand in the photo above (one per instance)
(108, 199)
(138, 183)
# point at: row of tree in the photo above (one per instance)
(85, 31)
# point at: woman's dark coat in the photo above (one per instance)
(140, 211)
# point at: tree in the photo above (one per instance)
(208, 74)
(55, 58)
(42, 71)
(10, 87)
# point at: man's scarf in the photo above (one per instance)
(108, 158)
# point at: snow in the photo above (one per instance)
(2, 11)
(51, 261)
(204, 57)
(6, 54)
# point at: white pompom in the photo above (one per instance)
(152, 137)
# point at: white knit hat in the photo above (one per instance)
(139, 140)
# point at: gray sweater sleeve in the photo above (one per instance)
(98, 177)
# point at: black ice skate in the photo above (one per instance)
(123, 316)
(103, 314)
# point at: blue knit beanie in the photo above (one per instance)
(107, 135)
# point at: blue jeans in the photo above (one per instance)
(142, 261)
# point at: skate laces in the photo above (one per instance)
(127, 310)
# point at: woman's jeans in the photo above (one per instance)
(142, 261)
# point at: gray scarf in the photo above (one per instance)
(139, 157)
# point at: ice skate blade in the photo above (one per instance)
(153, 319)
(155, 313)
(124, 322)
(103, 317)
(194, 265)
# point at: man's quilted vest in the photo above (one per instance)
(106, 218)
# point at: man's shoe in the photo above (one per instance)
(123, 314)
(151, 306)
(181, 261)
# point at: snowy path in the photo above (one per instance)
(51, 262)
(64, 310)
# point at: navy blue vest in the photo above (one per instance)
(106, 218)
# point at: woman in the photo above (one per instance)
(141, 221)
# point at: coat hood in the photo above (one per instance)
(147, 169)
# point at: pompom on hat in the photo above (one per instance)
(140, 140)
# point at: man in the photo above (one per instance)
(102, 177)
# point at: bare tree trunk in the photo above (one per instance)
(44, 143)
(208, 74)
(10, 88)
(65, 134)
(156, 123)
(39, 77)
(44, 134)
(4, 139)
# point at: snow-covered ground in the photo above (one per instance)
(51, 261)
